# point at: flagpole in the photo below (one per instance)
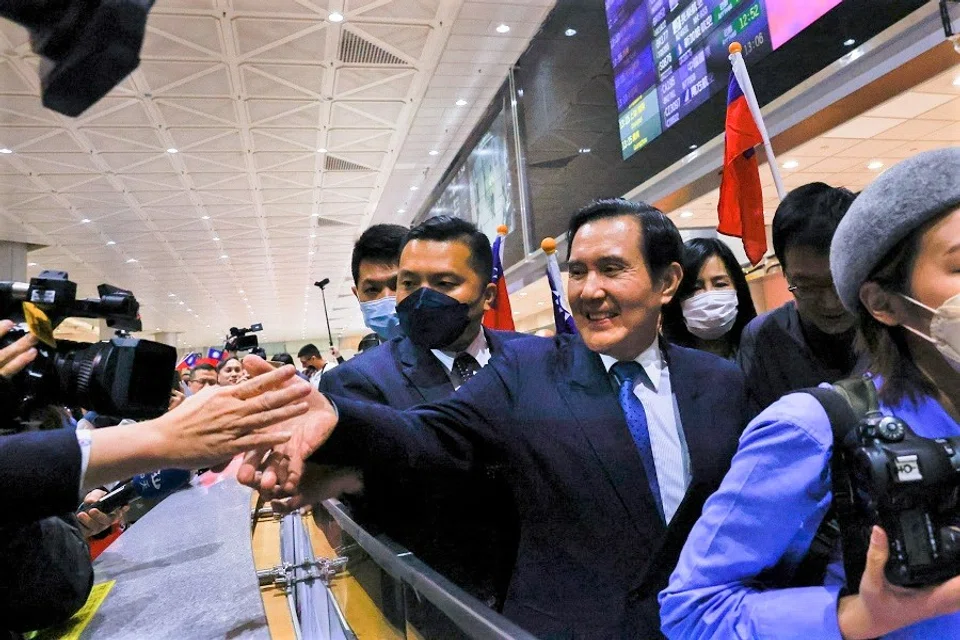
(743, 79)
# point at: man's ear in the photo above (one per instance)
(670, 282)
(489, 296)
(355, 294)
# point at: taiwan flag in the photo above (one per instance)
(740, 207)
(499, 316)
(189, 361)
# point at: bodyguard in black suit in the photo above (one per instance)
(462, 525)
(611, 440)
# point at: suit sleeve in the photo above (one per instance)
(449, 435)
(754, 373)
(350, 382)
(39, 474)
(761, 521)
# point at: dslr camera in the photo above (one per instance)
(123, 376)
(908, 485)
(243, 339)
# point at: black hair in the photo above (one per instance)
(285, 358)
(203, 366)
(224, 363)
(662, 244)
(808, 217)
(368, 341)
(696, 252)
(381, 244)
(309, 351)
(450, 229)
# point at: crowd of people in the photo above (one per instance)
(654, 474)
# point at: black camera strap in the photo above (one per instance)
(845, 405)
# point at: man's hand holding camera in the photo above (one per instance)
(18, 355)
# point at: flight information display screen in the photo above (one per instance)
(670, 56)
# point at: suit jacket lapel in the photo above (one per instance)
(592, 400)
(694, 419)
(422, 369)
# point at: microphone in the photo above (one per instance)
(157, 484)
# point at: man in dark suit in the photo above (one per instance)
(462, 525)
(611, 439)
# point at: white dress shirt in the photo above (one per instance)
(670, 455)
(479, 349)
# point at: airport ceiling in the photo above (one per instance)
(239, 163)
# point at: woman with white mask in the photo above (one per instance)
(713, 303)
(895, 260)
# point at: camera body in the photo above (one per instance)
(909, 485)
(243, 339)
(123, 376)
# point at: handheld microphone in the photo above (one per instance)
(157, 484)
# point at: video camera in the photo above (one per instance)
(910, 486)
(86, 47)
(122, 376)
(243, 339)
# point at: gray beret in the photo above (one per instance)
(901, 199)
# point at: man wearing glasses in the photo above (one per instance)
(809, 340)
(202, 376)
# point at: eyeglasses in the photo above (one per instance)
(813, 292)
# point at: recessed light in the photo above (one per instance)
(180, 303)
(189, 310)
(31, 264)
(434, 152)
(5, 150)
(157, 329)
(956, 83)
(401, 210)
(335, 17)
(414, 188)
(171, 295)
(241, 291)
(131, 260)
(224, 257)
(849, 43)
(205, 218)
(686, 214)
(541, 304)
(172, 150)
(570, 33)
(791, 164)
(216, 239)
(85, 221)
(313, 253)
(503, 29)
(110, 243)
(321, 150)
(461, 102)
(692, 147)
(584, 150)
(876, 165)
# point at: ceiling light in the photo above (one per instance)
(849, 43)
(224, 257)
(216, 239)
(503, 29)
(172, 150)
(171, 295)
(541, 304)
(85, 221)
(189, 310)
(241, 290)
(335, 17)
(180, 303)
(313, 253)
(461, 102)
(791, 164)
(31, 264)
(584, 150)
(875, 165)
(692, 147)
(956, 83)
(401, 210)
(434, 152)
(414, 188)
(110, 243)
(131, 260)
(321, 150)
(570, 33)
(5, 150)
(686, 214)
(157, 329)
(205, 218)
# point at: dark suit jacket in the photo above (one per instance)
(462, 525)
(39, 474)
(593, 553)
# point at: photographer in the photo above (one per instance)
(895, 259)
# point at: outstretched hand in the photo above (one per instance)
(276, 472)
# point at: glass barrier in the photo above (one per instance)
(370, 587)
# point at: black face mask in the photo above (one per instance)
(431, 319)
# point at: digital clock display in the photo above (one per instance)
(670, 56)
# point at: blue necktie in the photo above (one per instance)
(626, 375)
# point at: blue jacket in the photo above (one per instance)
(39, 474)
(593, 552)
(758, 526)
(462, 525)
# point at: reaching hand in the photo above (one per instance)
(14, 357)
(881, 607)
(220, 422)
(319, 483)
(95, 521)
(277, 472)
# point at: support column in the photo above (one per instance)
(13, 260)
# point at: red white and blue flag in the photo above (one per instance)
(215, 354)
(740, 207)
(562, 317)
(189, 361)
(499, 316)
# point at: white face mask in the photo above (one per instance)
(944, 329)
(710, 315)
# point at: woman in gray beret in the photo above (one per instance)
(896, 264)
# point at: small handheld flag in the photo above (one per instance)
(188, 362)
(215, 354)
(562, 317)
(500, 316)
(740, 208)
